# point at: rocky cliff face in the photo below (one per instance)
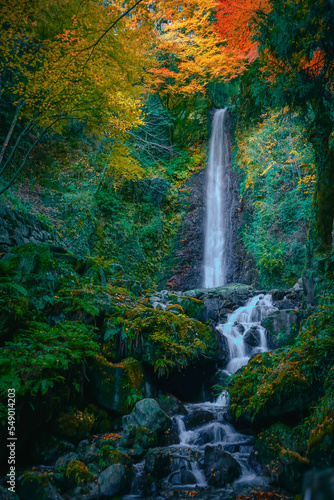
(188, 268)
(189, 248)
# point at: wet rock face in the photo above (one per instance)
(252, 337)
(282, 326)
(222, 300)
(220, 467)
(198, 418)
(145, 424)
(159, 463)
(190, 247)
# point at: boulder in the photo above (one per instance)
(36, 485)
(74, 425)
(182, 476)
(277, 294)
(171, 405)
(282, 326)
(7, 495)
(252, 337)
(47, 448)
(147, 414)
(111, 383)
(159, 463)
(290, 470)
(115, 479)
(220, 467)
(198, 418)
(319, 485)
(220, 301)
(64, 460)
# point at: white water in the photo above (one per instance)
(246, 320)
(215, 429)
(219, 206)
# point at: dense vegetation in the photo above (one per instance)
(105, 119)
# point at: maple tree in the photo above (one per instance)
(194, 51)
(61, 62)
(235, 21)
(297, 69)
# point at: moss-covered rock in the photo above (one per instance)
(78, 474)
(63, 461)
(320, 446)
(47, 448)
(113, 383)
(283, 382)
(281, 449)
(166, 341)
(37, 485)
(145, 424)
(220, 467)
(159, 463)
(74, 425)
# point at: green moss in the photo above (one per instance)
(146, 438)
(35, 484)
(114, 382)
(290, 378)
(134, 373)
(75, 425)
(78, 474)
(153, 335)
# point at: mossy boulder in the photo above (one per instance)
(281, 450)
(145, 424)
(320, 446)
(78, 474)
(220, 301)
(47, 448)
(112, 383)
(37, 485)
(192, 307)
(171, 405)
(63, 461)
(220, 467)
(159, 463)
(285, 382)
(115, 479)
(165, 341)
(74, 425)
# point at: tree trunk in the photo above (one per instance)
(321, 225)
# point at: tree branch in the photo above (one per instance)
(9, 135)
(26, 157)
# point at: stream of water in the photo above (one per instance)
(219, 206)
(208, 423)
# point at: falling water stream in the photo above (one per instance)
(219, 206)
(245, 337)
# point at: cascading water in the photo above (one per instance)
(245, 336)
(206, 428)
(219, 206)
(243, 331)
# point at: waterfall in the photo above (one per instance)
(243, 331)
(219, 206)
